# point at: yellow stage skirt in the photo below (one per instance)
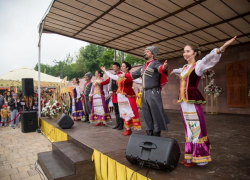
(109, 169)
(52, 133)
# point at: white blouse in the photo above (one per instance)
(115, 77)
(78, 94)
(209, 61)
(105, 90)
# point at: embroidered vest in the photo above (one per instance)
(189, 91)
(125, 87)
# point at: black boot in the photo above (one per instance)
(86, 118)
(149, 132)
(117, 117)
(157, 134)
(121, 124)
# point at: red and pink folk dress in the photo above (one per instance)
(126, 101)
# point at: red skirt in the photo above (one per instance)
(135, 121)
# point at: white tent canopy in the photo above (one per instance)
(14, 78)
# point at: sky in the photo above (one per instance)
(19, 21)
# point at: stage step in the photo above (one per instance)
(71, 154)
(80, 145)
(53, 167)
(71, 157)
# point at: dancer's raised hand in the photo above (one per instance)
(165, 65)
(103, 68)
(228, 43)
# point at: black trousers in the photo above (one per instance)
(116, 108)
(87, 117)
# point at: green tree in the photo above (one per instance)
(89, 58)
(133, 60)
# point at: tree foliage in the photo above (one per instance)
(88, 59)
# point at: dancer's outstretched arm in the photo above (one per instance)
(109, 74)
(209, 60)
(212, 58)
(177, 72)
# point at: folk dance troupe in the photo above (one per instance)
(152, 76)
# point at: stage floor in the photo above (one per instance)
(229, 136)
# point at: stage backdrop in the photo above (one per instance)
(237, 89)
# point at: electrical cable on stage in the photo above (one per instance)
(139, 168)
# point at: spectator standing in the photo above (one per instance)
(20, 94)
(4, 115)
(7, 97)
(1, 102)
(15, 106)
(35, 106)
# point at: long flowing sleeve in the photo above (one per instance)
(112, 76)
(105, 90)
(177, 71)
(105, 82)
(91, 90)
(207, 62)
(78, 94)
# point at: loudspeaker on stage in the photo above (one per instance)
(65, 121)
(28, 87)
(29, 122)
(154, 152)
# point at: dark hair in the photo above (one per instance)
(117, 64)
(195, 48)
(100, 72)
(77, 80)
(127, 65)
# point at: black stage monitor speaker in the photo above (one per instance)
(29, 121)
(28, 87)
(65, 121)
(151, 151)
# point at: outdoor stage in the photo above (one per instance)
(229, 136)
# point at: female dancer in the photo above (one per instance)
(197, 146)
(77, 109)
(98, 94)
(126, 99)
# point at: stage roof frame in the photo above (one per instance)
(131, 25)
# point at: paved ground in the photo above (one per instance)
(18, 153)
